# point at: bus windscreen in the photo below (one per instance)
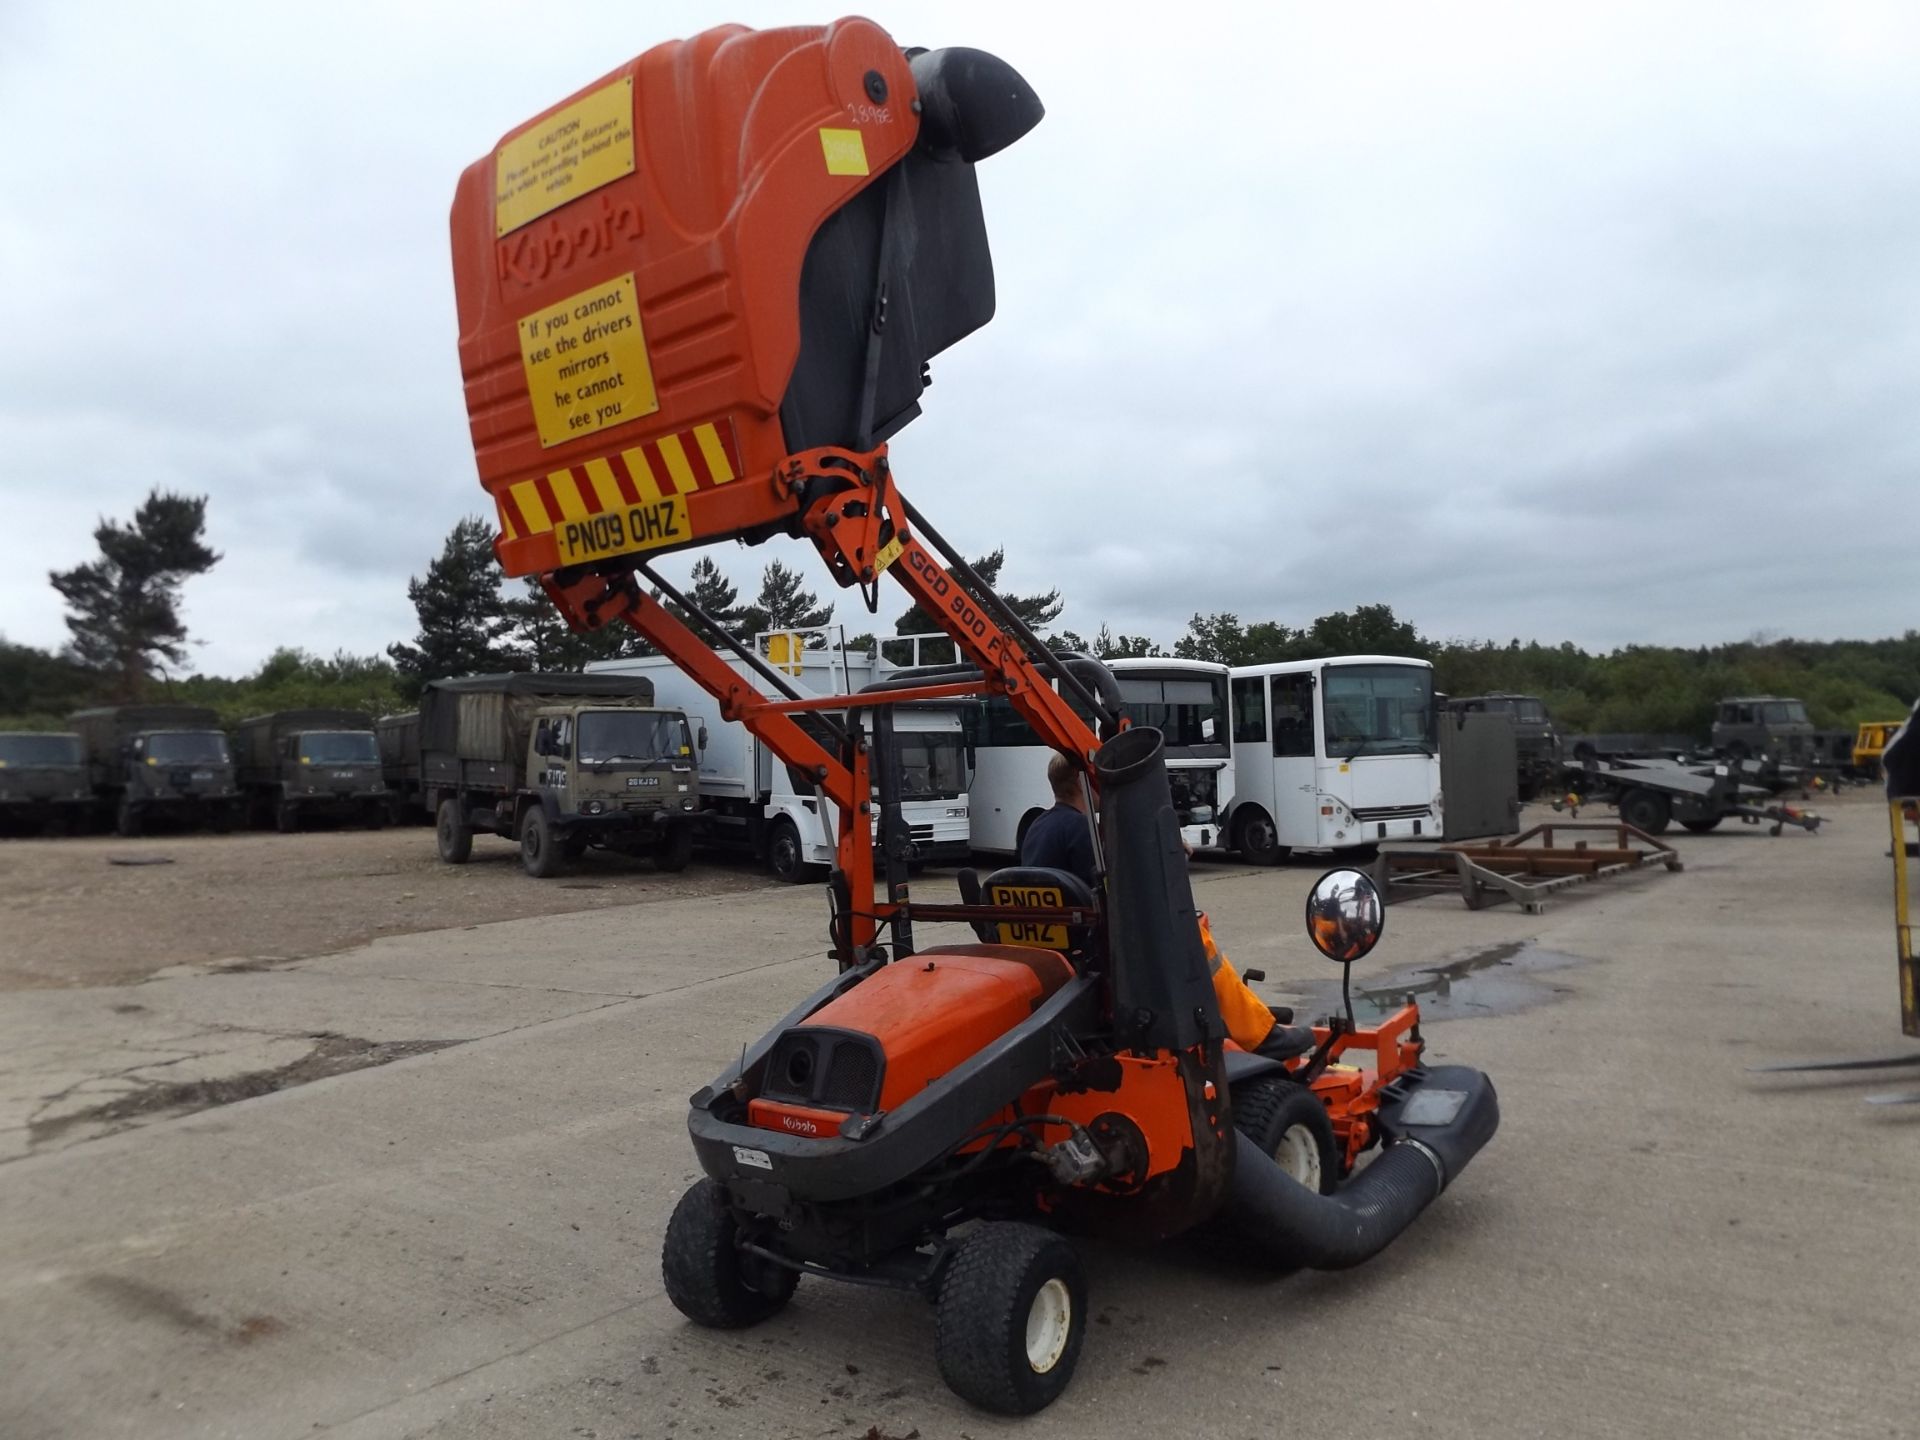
(1378, 710)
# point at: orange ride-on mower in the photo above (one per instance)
(696, 299)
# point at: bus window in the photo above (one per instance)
(1293, 714)
(1187, 712)
(1378, 710)
(1006, 725)
(1249, 709)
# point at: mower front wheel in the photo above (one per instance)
(1010, 1318)
(1289, 1124)
(709, 1279)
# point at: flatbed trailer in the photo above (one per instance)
(1650, 794)
(1525, 869)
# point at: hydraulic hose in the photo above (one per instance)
(1286, 1225)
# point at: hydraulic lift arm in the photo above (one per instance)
(862, 528)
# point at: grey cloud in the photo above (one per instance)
(1594, 325)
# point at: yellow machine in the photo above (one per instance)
(1871, 743)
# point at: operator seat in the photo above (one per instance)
(1042, 888)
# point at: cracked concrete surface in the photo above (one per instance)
(466, 1243)
(79, 1064)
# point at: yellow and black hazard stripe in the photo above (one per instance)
(682, 463)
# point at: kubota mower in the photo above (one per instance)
(696, 299)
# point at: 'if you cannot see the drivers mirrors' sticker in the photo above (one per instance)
(586, 362)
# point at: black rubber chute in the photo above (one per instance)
(1162, 993)
(972, 103)
(1282, 1223)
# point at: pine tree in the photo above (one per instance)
(545, 641)
(784, 603)
(716, 596)
(465, 622)
(124, 608)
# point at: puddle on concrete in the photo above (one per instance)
(331, 1055)
(1500, 980)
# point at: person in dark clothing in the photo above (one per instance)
(1062, 839)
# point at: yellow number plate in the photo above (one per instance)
(1029, 932)
(646, 526)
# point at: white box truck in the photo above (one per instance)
(756, 805)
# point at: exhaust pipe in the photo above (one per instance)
(1432, 1129)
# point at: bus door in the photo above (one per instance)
(1296, 782)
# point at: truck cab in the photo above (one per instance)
(609, 774)
(1773, 728)
(169, 762)
(752, 804)
(560, 762)
(43, 782)
(300, 763)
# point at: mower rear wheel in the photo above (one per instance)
(710, 1280)
(1288, 1122)
(1010, 1318)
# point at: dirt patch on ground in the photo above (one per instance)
(71, 916)
(331, 1055)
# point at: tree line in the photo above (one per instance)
(127, 642)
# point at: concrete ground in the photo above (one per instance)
(463, 1240)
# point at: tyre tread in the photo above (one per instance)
(974, 1320)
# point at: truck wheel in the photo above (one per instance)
(126, 820)
(785, 858)
(452, 833)
(539, 846)
(1011, 1317)
(674, 851)
(709, 1279)
(1646, 810)
(1257, 838)
(1288, 1122)
(286, 818)
(375, 816)
(1701, 827)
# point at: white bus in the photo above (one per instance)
(1185, 699)
(755, 804)
(1336, 754)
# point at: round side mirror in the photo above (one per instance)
(1345, 915)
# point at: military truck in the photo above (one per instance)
(300, 763)
(1537, 747)
(560, 763)
(1764, 727)
(399, 739)
(44, 788)
(167, 762)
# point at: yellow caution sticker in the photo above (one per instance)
(646, 526)
(889, 553)
(1032, 933)
(571, 153)
(846, 151)
(586, 362)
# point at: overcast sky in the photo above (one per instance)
(1593, 324)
